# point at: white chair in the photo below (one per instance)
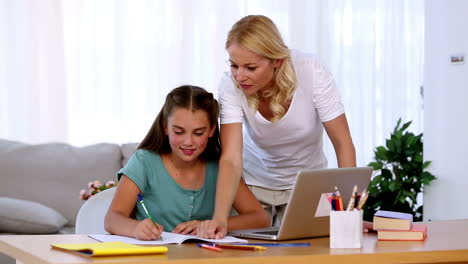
(90, 218)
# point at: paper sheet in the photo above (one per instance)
(323, 207)
(167, 238)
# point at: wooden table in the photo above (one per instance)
(447, 242)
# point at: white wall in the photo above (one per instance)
(446, 109)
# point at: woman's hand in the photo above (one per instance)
(368, 226)
(189, 227)
(147, 230)
(212, 229)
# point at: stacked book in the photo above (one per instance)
(398, 226)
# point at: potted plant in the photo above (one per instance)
(399, 175)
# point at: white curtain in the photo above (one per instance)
(86, 71)
(32, 91)
(375, 50)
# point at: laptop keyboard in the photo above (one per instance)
(273, 232)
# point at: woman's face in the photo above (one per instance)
(251, 71)
(188, 133)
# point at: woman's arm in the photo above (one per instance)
(250, 212)
(118, 219)
(338, 132)
(230, 170)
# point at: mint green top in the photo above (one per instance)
(169, 203)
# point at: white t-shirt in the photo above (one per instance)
(273, 153)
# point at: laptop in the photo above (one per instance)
(308, 210)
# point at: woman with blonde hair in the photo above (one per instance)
(284, 99)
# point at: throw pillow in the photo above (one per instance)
(28, 217)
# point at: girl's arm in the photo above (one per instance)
(230, 169)
(118, 219)
(338, 132)
(250, 212)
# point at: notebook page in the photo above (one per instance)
(167, 238)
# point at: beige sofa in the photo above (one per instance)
(40, 184)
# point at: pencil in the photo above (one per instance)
(307, 244)
(340, 206)
(243, 247)
(363, 199)
(352, 199)
(210, 247)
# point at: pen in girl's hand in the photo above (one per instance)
(147, 212)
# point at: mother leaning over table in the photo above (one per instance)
(275, 104)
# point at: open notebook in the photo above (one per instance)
(167, 238)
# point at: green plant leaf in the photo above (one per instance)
(427, 177)
(373, 191)
(398, 135)
(376, 180)
(375, 165)
(405, 126)
(411, 141)
(397, 126)
(409, 152)
(384, 185)
(381, 153)
(390, 145)
(418, 159)
(393, 186)
(409, 194)
(426, 164)
(401, 199)
(398, 146)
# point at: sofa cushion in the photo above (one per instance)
(66, 230)
(127, 152)
(22, 216)
(54, 173)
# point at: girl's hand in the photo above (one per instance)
(147, 230)
(189, 227)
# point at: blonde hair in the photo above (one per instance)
(260, 35)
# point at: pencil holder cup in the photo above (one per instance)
(346, 229)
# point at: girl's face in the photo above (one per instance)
(251, 71)
(188, 133)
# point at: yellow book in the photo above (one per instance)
(109, 249)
